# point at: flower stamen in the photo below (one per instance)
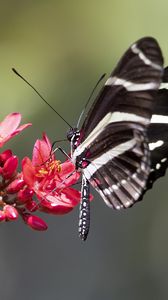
(49, 168)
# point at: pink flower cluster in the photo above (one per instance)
(42, 185)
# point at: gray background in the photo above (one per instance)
(63, 47)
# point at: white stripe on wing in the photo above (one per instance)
(144, 58)
(108, 119)
(130, 86)
(159, 119)
(103, 159)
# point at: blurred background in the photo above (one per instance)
(62, 47)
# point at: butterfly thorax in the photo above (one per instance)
(73, 135)
(81, 161)
(78, 158)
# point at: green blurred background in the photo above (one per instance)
(62, 47)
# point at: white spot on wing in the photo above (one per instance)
(127, 203)
(163, 159)
(114, 187)
(155, 145)
(118, 207)
(107, 191)
(105, 199)
(158, 166)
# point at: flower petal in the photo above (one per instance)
(41, 151)
(66, 168)
(55, 210)
(71, 196)
(9, 124)
(21, 128)
(68, 174)
(61, 203)
(28, 172)
(9, 127)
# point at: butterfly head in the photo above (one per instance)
(73, 136)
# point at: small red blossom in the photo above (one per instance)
(2, 216)
(15, 186)
(12, 185)
(10, 212)
(24, 195)
(9, 167)
(50, 180)
(9, 127)
(35, 222)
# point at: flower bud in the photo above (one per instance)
(2, 216)
(10, 167)
(10, 212)
(5, 155)
(15, 186)
(25, 195)
(35, 222)
(31, 206)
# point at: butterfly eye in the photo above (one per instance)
(73, 135)
(70, 134)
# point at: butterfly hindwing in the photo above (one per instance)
(121, 178)
(158, 133)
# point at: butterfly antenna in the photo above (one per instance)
(16, 72)
(81, 115)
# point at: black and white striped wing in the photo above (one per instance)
(129, 91)
(121, 172)
(114, 139)
(158, 133)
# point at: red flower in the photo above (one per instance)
(8, 164)
(12, 185)
(9, 127)
(44, 177)
(50, 180)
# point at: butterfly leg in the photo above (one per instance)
(84, 211)
(61, 150)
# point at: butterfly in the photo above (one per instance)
(122, 146)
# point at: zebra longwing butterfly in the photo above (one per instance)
(122, 147)
(118, 147)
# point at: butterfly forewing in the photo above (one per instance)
(131, 86)
(114, 135)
